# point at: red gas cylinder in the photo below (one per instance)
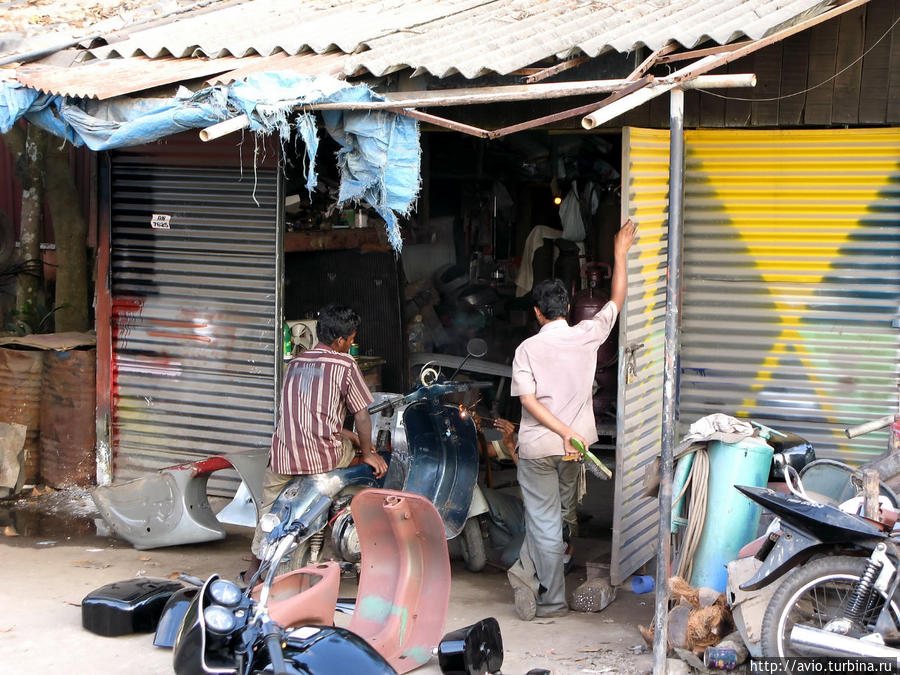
(585, 304)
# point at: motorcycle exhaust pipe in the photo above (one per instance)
(818, 642)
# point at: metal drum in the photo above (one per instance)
(68, 430)
(20, 400)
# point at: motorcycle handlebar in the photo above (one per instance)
(440, 388)
(866, 427)
(276, 656)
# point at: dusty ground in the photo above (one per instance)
(52, 557)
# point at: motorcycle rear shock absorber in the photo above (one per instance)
(315, 545)
(861, 597)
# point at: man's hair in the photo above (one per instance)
(550, 296)
(336, 321)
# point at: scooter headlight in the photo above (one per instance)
(219, 620)
(225, 593)
(268, 522)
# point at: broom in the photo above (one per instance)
(594, 465)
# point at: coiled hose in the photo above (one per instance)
(698, 481)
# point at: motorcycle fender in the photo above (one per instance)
(404, 584)
(792, 547)
(172, 616)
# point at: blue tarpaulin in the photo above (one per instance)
(379, 158)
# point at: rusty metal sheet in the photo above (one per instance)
(66, 340)
(109, 78)
(20, 400)
(68, 427)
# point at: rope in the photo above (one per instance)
(699, 479)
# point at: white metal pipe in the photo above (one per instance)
(641, 96)
(225, 128)
(734, 81)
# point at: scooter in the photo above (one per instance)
(837, 576)
(431, 448)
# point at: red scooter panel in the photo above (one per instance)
(404, 584)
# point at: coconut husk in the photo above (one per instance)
(706, 626)
(682, 591)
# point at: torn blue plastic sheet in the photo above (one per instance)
(379, 158)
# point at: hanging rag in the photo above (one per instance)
(570, 215)
(525, 277)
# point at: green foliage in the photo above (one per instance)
(31, 319)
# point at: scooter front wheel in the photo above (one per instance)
(472, 547)
(814, 595)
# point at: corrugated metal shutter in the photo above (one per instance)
(645, 178)
(792, 281)
(194, 312)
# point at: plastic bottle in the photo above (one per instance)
(286, 340)
(417, 335)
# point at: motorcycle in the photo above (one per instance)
(285, 624)
(431, 449)
(834, 573)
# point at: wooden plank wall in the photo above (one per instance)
(842, 72)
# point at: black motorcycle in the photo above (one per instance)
(837, 575)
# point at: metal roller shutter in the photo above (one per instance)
(195, 314)
(792, 281)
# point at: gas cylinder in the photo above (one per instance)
(585, 304)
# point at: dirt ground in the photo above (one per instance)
(52, 557)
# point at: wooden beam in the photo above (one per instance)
(574, 112)
(700, 53)
(544, 73)
(651, 60)
(443, 122)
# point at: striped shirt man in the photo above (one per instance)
(321, 386)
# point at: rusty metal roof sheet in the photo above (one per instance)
(114, 77)
(106, 78)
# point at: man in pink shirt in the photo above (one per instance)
(321, 386)
(553, 375)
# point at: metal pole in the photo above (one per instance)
(670, 375)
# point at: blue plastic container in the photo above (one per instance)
(731, 518)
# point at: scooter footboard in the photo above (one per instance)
(405, 566)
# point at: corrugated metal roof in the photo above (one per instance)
(28, 25)
(471, 37)
(505, 35)
(356, 37)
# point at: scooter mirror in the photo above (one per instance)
(476, 347)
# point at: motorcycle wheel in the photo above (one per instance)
(813, 595)
(471, 543)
